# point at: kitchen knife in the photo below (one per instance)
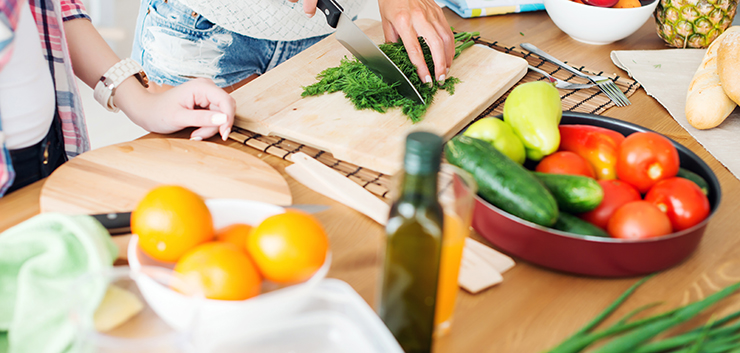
(119, 223)
(352, 38)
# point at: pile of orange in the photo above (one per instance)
(174, 225)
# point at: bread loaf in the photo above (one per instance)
(728, 65)
(707, 105)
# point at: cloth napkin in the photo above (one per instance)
(39, 261)
(480, 8)
(666, 76)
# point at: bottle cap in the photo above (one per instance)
(423, 153)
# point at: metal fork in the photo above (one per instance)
(604, 83)
(561, 83)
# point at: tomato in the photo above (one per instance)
(616, 194)
(646, 158)
(599, 146)
(682, 200)
(565, 162)
(639, 220)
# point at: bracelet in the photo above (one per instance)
(106, 86)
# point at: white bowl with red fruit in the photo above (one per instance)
(651, 225)
(599, 22)
(251, 307)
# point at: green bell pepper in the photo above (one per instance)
(533, 111)
(500, 135)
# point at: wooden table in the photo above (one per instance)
(534, 308)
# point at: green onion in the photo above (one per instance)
(688, 337)
(578, 341)
(630, 341)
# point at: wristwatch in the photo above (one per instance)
(106, 87)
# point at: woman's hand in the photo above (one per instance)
(407, 20)
(197, 103)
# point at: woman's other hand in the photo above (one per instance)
(197, 103)
(408, 20)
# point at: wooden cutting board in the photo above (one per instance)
(272, 103)
(115, 178)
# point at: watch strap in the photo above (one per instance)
(106, 86)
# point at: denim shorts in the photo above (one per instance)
(175, 44)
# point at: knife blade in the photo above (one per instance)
(352, 38)
(119, 223)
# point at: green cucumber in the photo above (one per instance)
(573, 193)
(503, 182)
(696, 178)
(572, 224)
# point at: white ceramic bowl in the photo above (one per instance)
(597, 25)
(216, 315)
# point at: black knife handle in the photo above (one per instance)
(332, 10)
(115, 223)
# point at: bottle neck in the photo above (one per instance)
(422, 186)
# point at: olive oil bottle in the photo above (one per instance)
(413, 247)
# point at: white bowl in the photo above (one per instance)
(216, 315)
(597, 25)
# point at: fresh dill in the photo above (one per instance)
(368, 91)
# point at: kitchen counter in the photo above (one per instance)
(534, 308)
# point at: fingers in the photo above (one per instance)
(203, 133)
(413, 48)
(436, 46)
(207, 95)
(448, 40)
(409, 19)
(207, 106)
(391, 36)
(309, 7)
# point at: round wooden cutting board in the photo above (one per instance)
(115, 178)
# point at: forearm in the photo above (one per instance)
(198, 103)
(92, 57)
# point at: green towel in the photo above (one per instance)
(39, 260)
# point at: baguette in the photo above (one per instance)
(728, 65)
(707, 105)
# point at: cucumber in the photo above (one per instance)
(573, 193)
(572, 224)
(696, 178)
(503, 182)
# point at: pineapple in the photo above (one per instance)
(693, 23)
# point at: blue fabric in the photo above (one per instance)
(174, 44)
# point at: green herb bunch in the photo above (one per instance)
(368, 91)
(638, 336)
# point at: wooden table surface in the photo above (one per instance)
(534, 308)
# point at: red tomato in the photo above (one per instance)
(680, 199)
(646, 158)
(565, 162)
(616, 194)
(639, 220)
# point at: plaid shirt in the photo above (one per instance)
(49, 16)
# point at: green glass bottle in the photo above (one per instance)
(413, 247)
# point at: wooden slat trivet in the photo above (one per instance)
(590, 100)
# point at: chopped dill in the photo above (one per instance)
(368, 91)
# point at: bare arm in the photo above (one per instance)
(196, 103)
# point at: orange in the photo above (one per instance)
(170, 220)
(289, 247)
(222, 270)
(235, 234)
